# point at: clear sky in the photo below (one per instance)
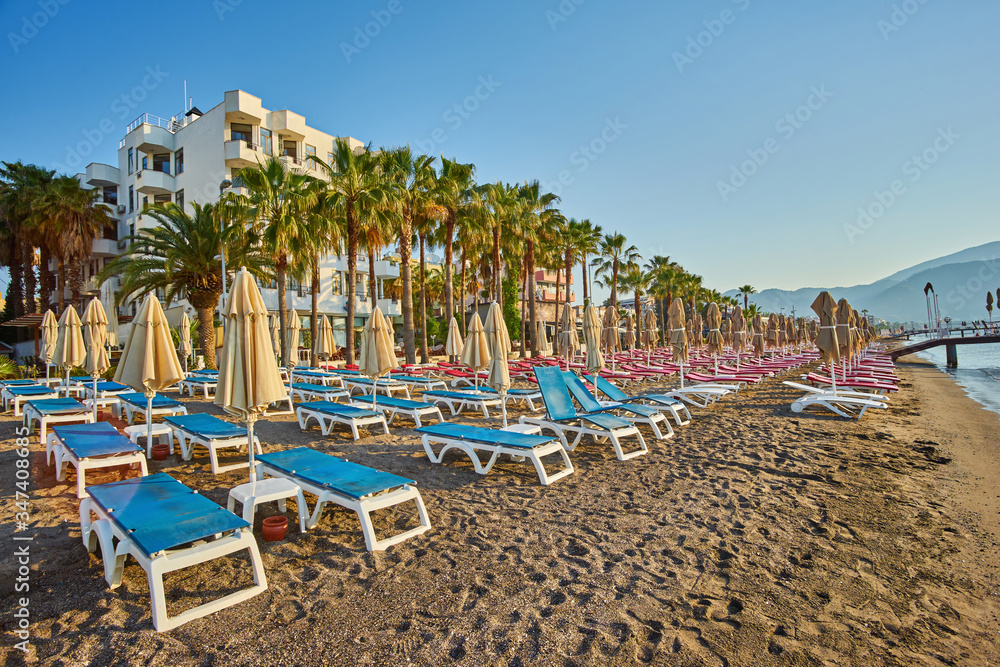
(739, 137)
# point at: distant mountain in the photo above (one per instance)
(961, 281)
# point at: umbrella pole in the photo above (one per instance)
(503, 407)
(682, 373)
(67, 383)
(249, 421)
(833, 375)
(149, 419)
(94, 377)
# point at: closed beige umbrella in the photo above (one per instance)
(649, 334)
(629, 340)
(293, 327)
(377, 354)
(249, 380)
(699, 329)
(844, 334)
(726, 330)
(453, 346)
(757, 340)
(569, 342)
(609, 333)
(70, 350)
(542, 339)
(324, 345)
(185, 335)
(737, 327)
(772, 331)
(592, 339)
(813, 331)
(498, 342)
(826, 340)
(790, 336)
(50, 334)
(95, 333)
(149, 361)
(476, 352)
(714, 340)
(276, 334)
(108, 301)
(678, 334)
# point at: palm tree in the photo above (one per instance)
(745, 292)
(324, 234)
(635, 280)
(537, 216)
(414, 179)
(590, 242)
(613, 255)
(23, 227)
(276, 207)
(179, 255)
(357, 188)
(452, 192)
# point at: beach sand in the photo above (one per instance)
(755, 536)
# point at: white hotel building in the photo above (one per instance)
(188, 157)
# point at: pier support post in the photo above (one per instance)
(951, 352)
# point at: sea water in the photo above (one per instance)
(978, 371)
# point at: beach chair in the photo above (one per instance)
(561, 417)
(635, 413)
(461, 400)
(316, 392)
(851, 405)
(211, 433)
(194, 383)
(392, 406)
(676, 407)
(20, 394)
(387, 386)
(810, 389)
(328, 413)
(135, 404)
(472, 439)
(421, 383)
(106, 389)
(90, 446)
(165, 526)
(318, 377)
(525, 396)
(47, 411)
(355, 487)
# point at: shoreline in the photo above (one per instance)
(755, 536)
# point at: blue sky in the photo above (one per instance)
(739, 137)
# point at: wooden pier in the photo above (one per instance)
(951, 344)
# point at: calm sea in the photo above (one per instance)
(978, 371)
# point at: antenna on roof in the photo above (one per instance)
(185, 96)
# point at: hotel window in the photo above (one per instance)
(131, 229)
(310, 154)
(265, 141)
(179, 162)
(288, 148)
(131, 200)
(131, 160)
(241, 132)
(111, 195)
(161, 199)
(161, 162)
(145, 203)
(338, 283)
(329, 158)
(145, 163)
(179, 199)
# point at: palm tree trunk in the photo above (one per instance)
(282, 307)
(314, 313)
(424, 352)
(583, 264)
(16, 293)
(558, 276)
(206, 331)
(75, 280)
(372, 285)
(614, 284)
(61, 285)
(524, 294)
(45, 278)
(532, 314)
(30, 284)
(407, 296)
(449, 233)
(352, 268)
(498, 284)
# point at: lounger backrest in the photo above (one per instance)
(608, 389)
(555, 395)
(580, 392)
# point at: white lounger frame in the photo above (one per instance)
(581, 429)
(189, 439)
(191, 384)
(381, 386)
(326, 421)
(9, 398)
(390, 411)
(456, 404)
(107, 532)
(363, 507)
(534, 454)
(316, 395)
(44, 421)
(845, 406)
(54, 447)
(131, 411)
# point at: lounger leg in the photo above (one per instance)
(81, 474)
(385, 425)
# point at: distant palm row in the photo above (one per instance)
(279, 223)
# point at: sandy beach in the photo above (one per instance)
(755, 536)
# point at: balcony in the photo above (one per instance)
(101, 175)
(104, 248)
(289, 123)
(550, 277)
(242, 154)
(386, 269)
(390, 307)
(243, 107)
(154, 138)
(150, 182)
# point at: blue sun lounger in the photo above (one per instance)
(205, 383)
(387, 386)
(318, 377)
(135, 404)
(89, 446)
(105, 389)
(328, 413)
(519, 446)
(561, 416)
(212, 433)
(675, 406)
(459, 400)
(358, 488)
(48, 411)
(392, 406)
(637, 414)
(165, 526)
(22, 393)
(316, 392)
